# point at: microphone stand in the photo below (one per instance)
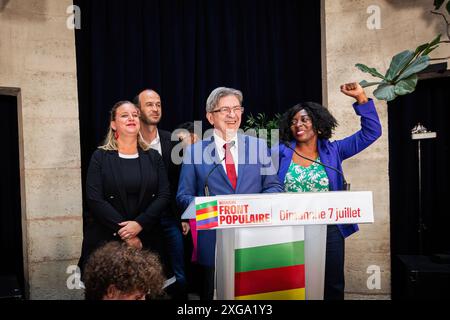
(206, 188)
(420, 133)
(346, 185)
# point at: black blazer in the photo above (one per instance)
(107, 201)
(173, 171)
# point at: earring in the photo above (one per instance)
(116, 135)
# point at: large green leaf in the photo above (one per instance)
(385, 91)
(438, 4)
(399, 62)
(418, 65)
(372, 71)
(366, 84)
(406, 86)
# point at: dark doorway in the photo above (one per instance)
(11, 268)
(429, 105)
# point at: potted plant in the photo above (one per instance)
(401, 77)
(261, 125)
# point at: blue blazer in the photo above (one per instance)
(201, 158)
(333, 153)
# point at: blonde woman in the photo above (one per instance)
(127, 188)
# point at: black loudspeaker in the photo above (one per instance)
(420, 277)
(9, 288)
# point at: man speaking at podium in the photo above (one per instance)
(225, 163)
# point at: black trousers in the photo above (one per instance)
(176, 291)
(207, 282)
(334, 265)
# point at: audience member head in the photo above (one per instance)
(117, 271)
(186, 133)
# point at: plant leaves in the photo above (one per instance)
(421, 48)
(385, 91)
(261, 121)
(418, 65)
(372, 71)
(425, 46)
(406, 86)
(428, 50)
(432, 45)
(399, 62)
(438, 38)
(366, 84)
(438, 4)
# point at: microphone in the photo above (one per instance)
(206, 188)
(346, 185)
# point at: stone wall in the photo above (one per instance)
(37, 55)
(405, 24)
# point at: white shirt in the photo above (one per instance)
(128, 156)
(156, 143)
(221, 151)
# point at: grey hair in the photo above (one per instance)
(219, 93)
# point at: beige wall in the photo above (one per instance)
(37, 55)
(405, 24)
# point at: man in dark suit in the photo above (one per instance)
(149, 103)
(235, 164)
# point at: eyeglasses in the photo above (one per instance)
(303, 119)
(227, 110)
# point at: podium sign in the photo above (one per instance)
(272, 245)
(278, 209)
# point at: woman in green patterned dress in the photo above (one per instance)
(305, 131)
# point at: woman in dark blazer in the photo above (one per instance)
(127, 188)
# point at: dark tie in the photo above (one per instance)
(229, 164)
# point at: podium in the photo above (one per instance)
(272, 246)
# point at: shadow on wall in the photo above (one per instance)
(426, 6)
(32, 10)
(3, 4)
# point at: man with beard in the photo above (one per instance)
(149, 103)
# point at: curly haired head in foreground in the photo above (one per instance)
(118, 271)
